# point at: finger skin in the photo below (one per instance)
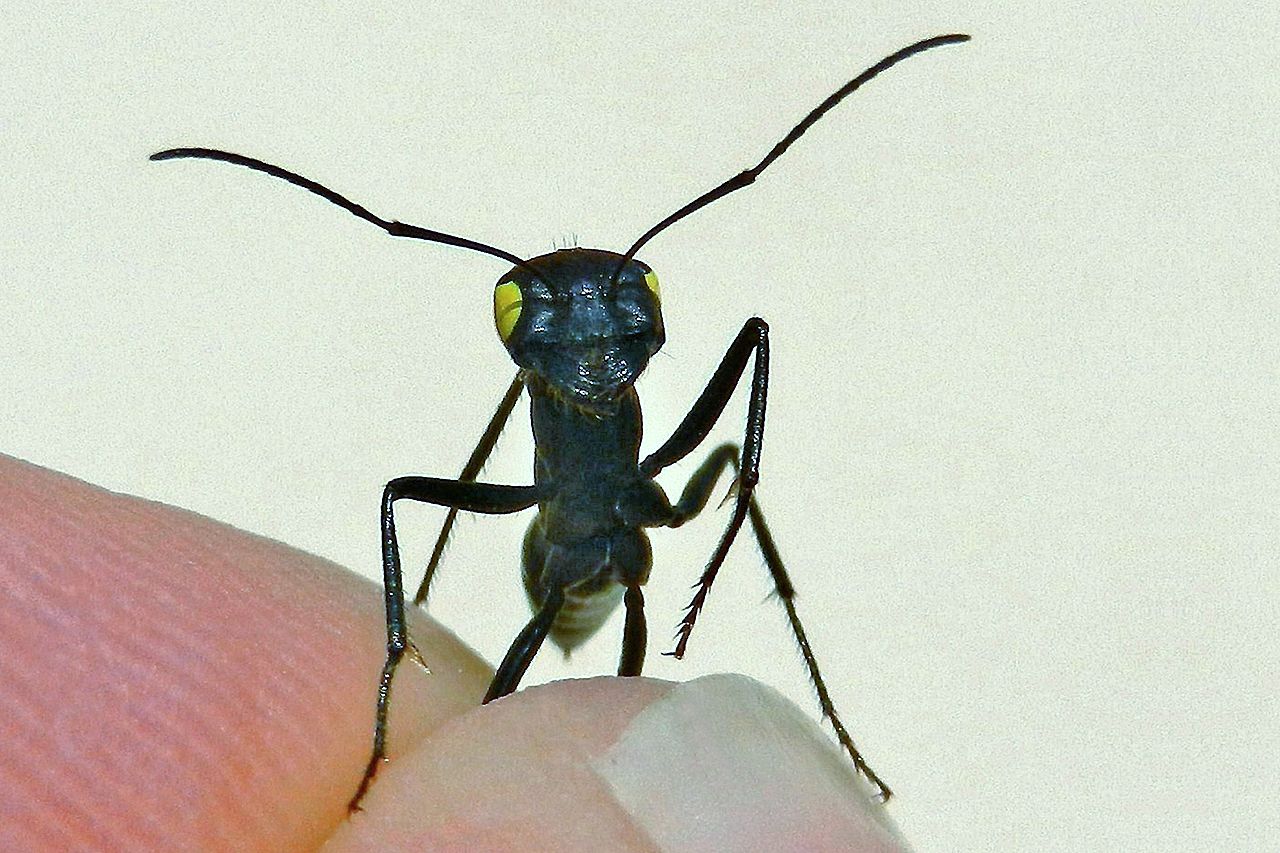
(170, 683)
(514, 775)
(721, 764)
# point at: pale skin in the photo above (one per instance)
(168, 682)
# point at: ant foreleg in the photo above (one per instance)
(470, 496)
(706, 410)
(692, 500)
(786, 594)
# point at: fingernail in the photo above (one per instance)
(724, 763)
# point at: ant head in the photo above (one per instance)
(584, 321)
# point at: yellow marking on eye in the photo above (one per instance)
(507, 302)
(651, 281)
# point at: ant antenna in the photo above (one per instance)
(747, 177)
(392, 227)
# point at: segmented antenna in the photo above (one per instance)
(392, 227)
(748, 177)
(737, 182)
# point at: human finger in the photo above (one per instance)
(168, 682)
(721, 763)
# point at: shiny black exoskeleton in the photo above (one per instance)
(582, 337)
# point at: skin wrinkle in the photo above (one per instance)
(181, 656)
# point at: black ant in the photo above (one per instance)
(581, 325)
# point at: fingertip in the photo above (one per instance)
(513, 775)
(726, 763)
(721, 763)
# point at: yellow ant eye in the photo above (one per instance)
(506, 307)
(651, 282)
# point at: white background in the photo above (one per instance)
(1022, 439)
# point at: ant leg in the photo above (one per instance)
(692, 500)
(787, 593)
(469, 472)
(635, 634)
(521, 653)
(473, 497)
(754, 338)
(698, 490)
